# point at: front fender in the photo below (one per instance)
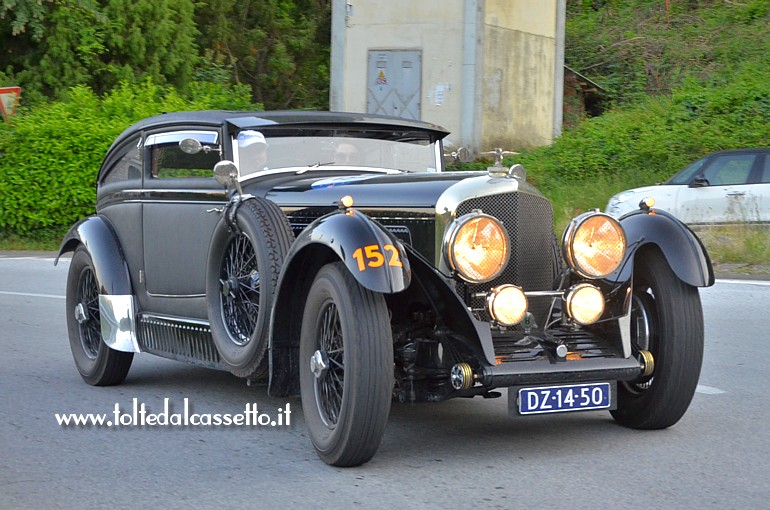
(97, 235)
(345, 236)
(683, 250)
(374, 256)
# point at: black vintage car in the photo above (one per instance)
(332, 255)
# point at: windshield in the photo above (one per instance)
(258, 151)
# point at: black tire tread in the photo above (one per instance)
(277, 237)
(110, 366)
(679, 354)
(370, 375)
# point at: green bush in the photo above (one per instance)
(649, 142)
(49, 158)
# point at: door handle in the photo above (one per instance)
(736, 193)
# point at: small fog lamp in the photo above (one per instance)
(584, 303)
(507, 304)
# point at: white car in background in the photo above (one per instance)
(723, 187)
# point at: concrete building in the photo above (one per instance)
(490, 71)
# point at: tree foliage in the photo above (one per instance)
(50, 157)
(279, 48)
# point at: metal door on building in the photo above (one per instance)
(393, 83)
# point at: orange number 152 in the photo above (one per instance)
(371, 256)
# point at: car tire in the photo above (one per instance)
(667, 320)
(241, 279)
(98, 364)
(346, 405)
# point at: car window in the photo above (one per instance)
(128, 166)
(684, 176)
(167, 161)
(729, 169)
(765, 175)
(288, 148)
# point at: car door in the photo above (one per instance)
(762, 189)
(180, 193)
(721, 192)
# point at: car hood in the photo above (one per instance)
(320, 188)
(628, 200)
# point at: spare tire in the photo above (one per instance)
(241, 278)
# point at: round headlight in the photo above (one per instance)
(507, 304)
(476, 247)
(594, 245)
(585, 303)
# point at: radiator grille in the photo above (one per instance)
(532, 265)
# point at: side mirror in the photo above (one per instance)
(699, 182)
(461, 155)
(226, 173)
(193, 146)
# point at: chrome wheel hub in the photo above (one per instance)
(319, 364)
(81, 315)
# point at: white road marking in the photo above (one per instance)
(708, 390)
(27, 294)
(745, 282)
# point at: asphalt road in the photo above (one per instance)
(457, 454)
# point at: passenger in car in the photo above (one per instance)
(252, 152)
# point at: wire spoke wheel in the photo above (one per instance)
(98, 364)
(244, 263)
(87, 313)
(240, 289)
(345, 366)
(330, 384)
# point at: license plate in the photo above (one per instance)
(559, 399)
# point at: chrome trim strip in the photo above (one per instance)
(180, 296)
(210, 137)
(177, 320)
(118, 321)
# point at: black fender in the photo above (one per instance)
(343, 235)
(98, 236)
(375, 257)
(683, 250)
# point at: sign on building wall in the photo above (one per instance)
(394, 83)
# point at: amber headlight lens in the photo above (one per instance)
(477, 247)
(507, 304)
(585, 303)
(594, 245)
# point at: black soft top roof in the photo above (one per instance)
(257, 119)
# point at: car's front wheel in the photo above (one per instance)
(98, 364)
(241, 278)
(667, 321)
(346, 367)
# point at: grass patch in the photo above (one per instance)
(14, 243)
(737, 244)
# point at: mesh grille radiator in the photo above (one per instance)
(532, 265)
